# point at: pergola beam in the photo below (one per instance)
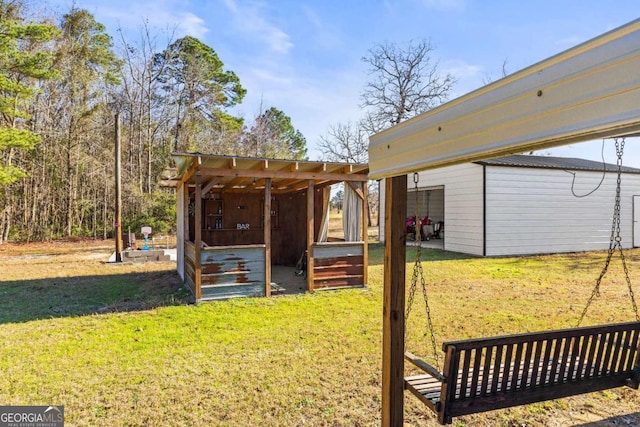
(316, 176)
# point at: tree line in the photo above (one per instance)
(61, 82)
(63, 79)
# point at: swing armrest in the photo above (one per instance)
(431, 370)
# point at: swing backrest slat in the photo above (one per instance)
(491, 373)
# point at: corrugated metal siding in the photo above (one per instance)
(462, 205)
(229, 271)
(331, 250)
(189, 266)
(532, 211)
(210, 293)
(338, 265)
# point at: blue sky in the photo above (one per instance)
(304, 57)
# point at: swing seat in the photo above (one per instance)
(492, 373)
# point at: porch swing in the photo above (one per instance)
(484, 374)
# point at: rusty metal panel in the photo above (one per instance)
(189, 279)
(251, 272)
(233, 271)
(231, 254)
(232, 291)
(190, 251)
(337, 250)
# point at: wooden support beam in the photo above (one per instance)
(310, 233)
(209, 186)
(357, 190)
(240, 182)
(283, 174)
(393, 301)
(261, 165)
(365, 234)
(267, 237)
(198, 238)
(185, 220)
(118, 174)
(186, 177)
(286, 183)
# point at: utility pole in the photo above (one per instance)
(118, 174)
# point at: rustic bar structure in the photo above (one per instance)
(590, 91)
(238, 217)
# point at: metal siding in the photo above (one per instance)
(462, 205)
(329, 250)
(239, 272)
(190, 251)
(589, 91)
(233, 291)
(236, 272)
(532, 211)
(188, 279)
(232, 254)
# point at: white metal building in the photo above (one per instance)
(522, 204)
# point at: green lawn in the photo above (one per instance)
(119, 346)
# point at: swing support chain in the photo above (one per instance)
(418, 274)
(615, 242)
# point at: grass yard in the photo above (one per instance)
(119, 345)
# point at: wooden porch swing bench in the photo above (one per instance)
(493, 373)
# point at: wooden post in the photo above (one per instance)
(186, 200)
(365, 234)
(267, 237)
(198, 238)
(118, 164)
(635, 380)
(310, 233)
(393, 301)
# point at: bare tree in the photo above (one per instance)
(404, 82)
(349, 142)
(488, 79)
(345, 142)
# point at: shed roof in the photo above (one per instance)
(232, 173)
(549, 162)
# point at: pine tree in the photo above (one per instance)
(23, 62)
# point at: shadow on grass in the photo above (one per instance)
(27, 300)
(620, 420)
(376, 254)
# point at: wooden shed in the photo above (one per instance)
(238, 217)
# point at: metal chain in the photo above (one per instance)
(418, 274)
(615, 241)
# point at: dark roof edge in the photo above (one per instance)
(560, 163)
